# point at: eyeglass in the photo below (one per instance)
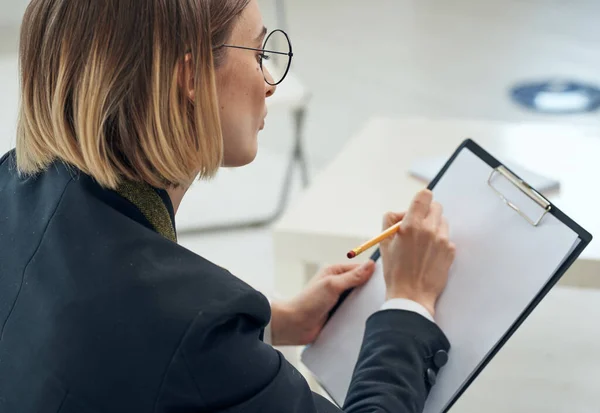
(279, 61)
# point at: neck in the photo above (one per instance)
(176, 195)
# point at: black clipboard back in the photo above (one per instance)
(584, 239)
(549, 208)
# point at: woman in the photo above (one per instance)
(124, 103)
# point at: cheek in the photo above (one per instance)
(242, 92)
(258, 88)
(241, 95)
(249, 98)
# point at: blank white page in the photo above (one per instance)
(501, 265)
(331, 358)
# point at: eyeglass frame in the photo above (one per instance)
(290, 54)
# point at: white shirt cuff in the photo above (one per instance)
(408, 305)
(268, 338)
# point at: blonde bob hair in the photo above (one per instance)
(99, 88)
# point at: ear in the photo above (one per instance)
(185, 78)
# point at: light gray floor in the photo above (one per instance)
(393, 57)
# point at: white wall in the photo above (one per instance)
(11, 12)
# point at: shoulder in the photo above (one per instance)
(211, 292)
(134, 306)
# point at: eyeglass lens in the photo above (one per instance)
(277, 64)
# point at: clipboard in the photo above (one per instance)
(499, 178)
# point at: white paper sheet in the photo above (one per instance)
(502, 263)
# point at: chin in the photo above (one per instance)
(240, 149)
(240, 159)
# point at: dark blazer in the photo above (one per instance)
(100, 313)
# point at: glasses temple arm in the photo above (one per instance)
(257, 50)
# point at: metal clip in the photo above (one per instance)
(526, 189)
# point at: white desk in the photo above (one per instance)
(344, 206)
(346, 202)
(551, 363)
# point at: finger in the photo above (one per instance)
(392, 218)
(354, 278)
(434, 218)
(341, 268)
(419, 208)
(452, 248)
(444, 229)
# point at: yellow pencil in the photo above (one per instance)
(387, 233)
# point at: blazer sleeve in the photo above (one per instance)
(223, 366)
(400, 357)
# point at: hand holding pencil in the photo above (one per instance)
(416, 252)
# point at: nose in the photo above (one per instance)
(269, 89)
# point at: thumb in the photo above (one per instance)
(354, 278)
